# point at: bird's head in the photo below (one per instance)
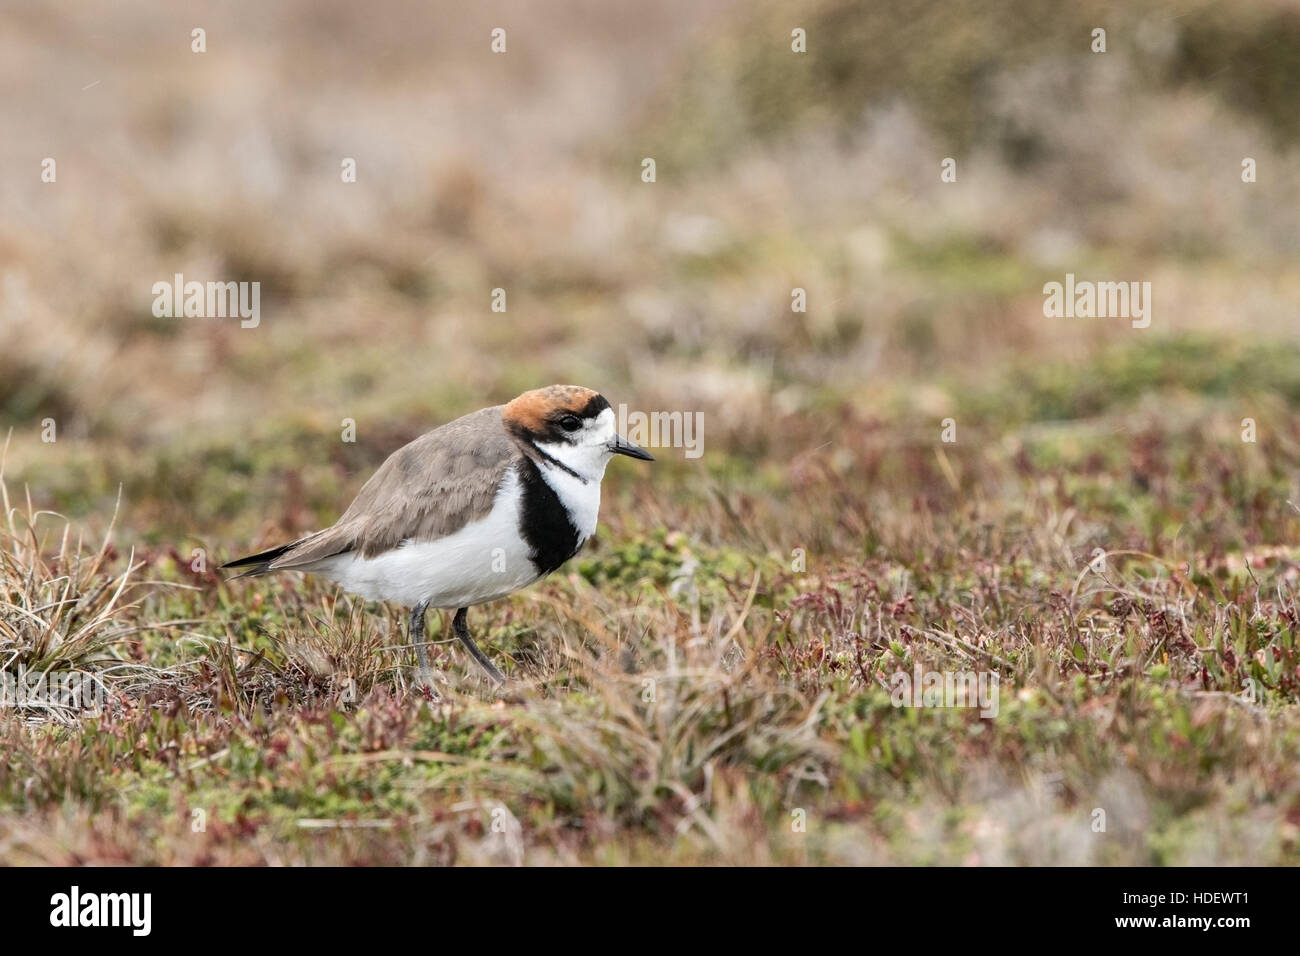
(571, 425)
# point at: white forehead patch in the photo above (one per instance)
(600, 428)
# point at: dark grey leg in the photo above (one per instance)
(462, 631)
(417, 638)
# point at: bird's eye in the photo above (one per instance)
(570, 423)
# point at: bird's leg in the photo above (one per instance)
(462, 631)
(417, 638)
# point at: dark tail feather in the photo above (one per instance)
(257, 563)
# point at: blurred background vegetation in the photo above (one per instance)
(521, 171)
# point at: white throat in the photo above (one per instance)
(577, 485)
(576, 467)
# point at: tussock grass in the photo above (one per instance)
(66, 608)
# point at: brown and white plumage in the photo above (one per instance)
(470, 511)
(427, 489)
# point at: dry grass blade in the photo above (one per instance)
(65, 620)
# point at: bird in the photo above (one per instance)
(469, 512)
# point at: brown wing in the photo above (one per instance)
(425, 490)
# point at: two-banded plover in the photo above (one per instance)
(469, 512)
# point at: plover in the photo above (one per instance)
(469, 512)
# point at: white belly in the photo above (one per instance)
(485, 560)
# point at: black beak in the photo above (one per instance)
(621, 446)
